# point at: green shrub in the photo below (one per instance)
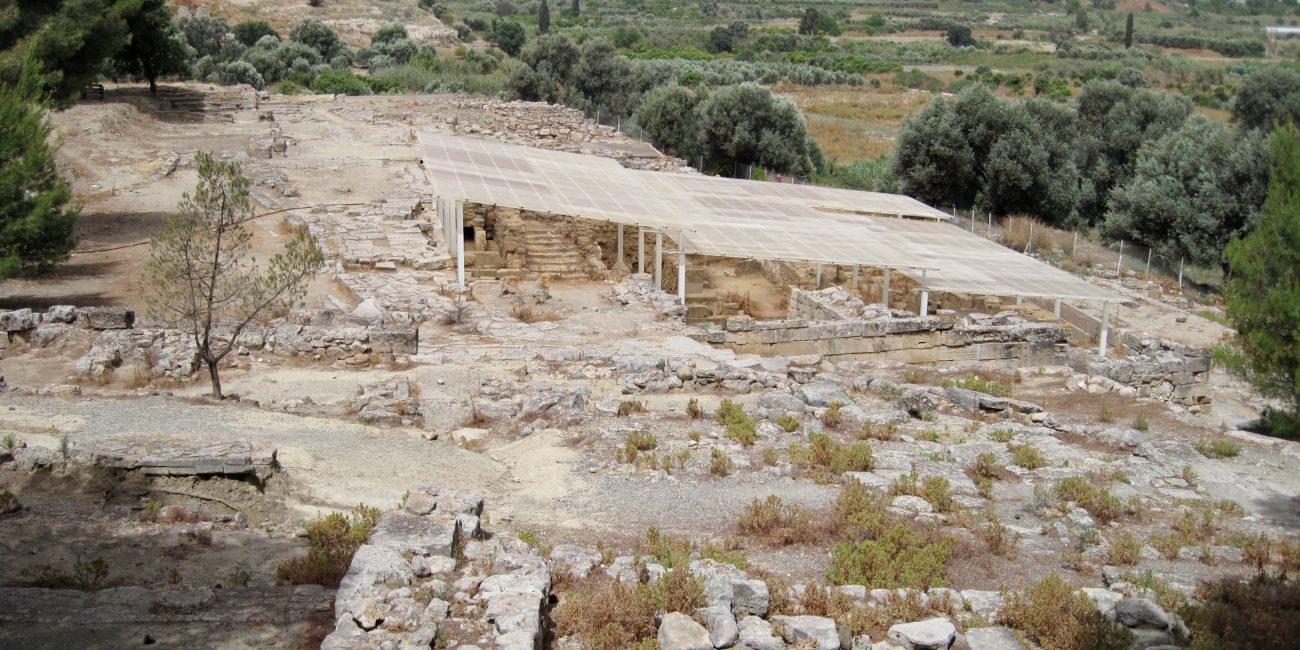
(832, 418)
(719, 463)
(1027, 457)
(776, 523)
(938, 492)
(830, 455)
(693, 409)
(860, 512)
(742, 431)
(1098, 501)
(899, 558)
(1218, 448)
(339, 82)
(788, 422)
(1124, 549)
(331, 542)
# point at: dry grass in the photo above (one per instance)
(776, 523)
(605, 614)
(1016, 234)
(1052, 615)
(529, 314)
(847, 142)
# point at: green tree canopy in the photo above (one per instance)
(1191, 192)
(318, 36)
(1264, 286)
(249, 32)
(36, 219)
(1268, 96)
(667, 114)
(507, 35)
(155, 47)
(748, 125)
(71, 38)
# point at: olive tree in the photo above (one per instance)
(747, 125)
(201, 274)
(1191, 192)
(667, 114)
(1269, 95)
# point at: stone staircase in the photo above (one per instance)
(548, 252)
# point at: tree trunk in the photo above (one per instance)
(216, 380)
(153, 85)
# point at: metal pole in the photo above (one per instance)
(973, 213)
(1148, 263)
(620, 244)
(1105, 328)
(659, 260)
(1056, 309)
(1030, 244)
(925, 296)
(640, 250)
(855, 276)
(819, 276)
(990, 232)
(1120, 265)
(681, 275)
(1180, 273)
(884, 291)
(1075, 247)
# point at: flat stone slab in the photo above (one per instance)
(428, 535)
(168, 456)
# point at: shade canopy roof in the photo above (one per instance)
(726, 217)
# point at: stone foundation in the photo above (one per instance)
(840, 326)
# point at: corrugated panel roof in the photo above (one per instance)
(725, 217)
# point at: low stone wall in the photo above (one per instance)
(844, 327)
(1161, 370)
(113, 338)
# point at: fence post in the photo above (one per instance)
(990, 232)
(1180, 273)
(1074, 249)
(1030, 244)
(1149, 263)
(1119, 268)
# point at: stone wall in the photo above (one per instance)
(1159, 369)
(841, 326)
(114, 338)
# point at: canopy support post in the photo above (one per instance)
(855, 276)
(659, 260)
(620, 244)
(925, 296)
(1056, 309)
(640, 250)
(459, 216)
(681, 276)
(819, 276)
(1105, 328)
(884, 290)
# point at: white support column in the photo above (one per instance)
(884, 290)
(1056, 309)
(1105, 328)
(925, 295)
(855, 276)
(819, 276)
(681, 276)
(640, 250)
(659, 260)
(1020, 300)
(620, 244)
(459, 212)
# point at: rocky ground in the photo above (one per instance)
(142, 509)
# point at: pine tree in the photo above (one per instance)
(577, 10)
(1264, 290)
(201, 277)
(1128, 31)
(35, 219)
